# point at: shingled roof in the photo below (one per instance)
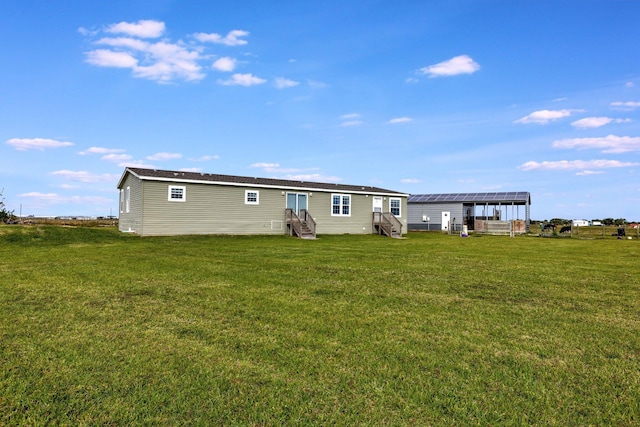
(210, 178)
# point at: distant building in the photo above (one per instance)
(502, 212)
(579, 223)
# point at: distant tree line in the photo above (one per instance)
(564, 221)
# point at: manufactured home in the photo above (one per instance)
(163, 202)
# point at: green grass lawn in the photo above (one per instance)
(102, 328)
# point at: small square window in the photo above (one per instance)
(251, 197)
(177, 193)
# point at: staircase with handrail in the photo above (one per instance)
(302, 226)
(386, 223)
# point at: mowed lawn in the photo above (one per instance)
(103, 328)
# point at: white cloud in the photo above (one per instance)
(462, 64)
(563, 165)
(100, 150)
(315, 177)
(116, 158)
(596, 122)
(242, 80)
(142, 28)
(190, 169)
(608, 144)
(23, 144)
(205, 158)
(589, 172)
(411, 181)
(350, 116)
(231, 39)
(350, 123)
(109, 58)
(164, 156)
(86, 177)
(265, 165)
(400, 120)
(282, 83)
(136, 164)
(625, 106)
(224, 64)
(545, 116)
(629, 84)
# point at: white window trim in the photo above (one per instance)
(399, 205)
(341, 205)
(184, 193)
(122, 200)
(127, 201)
(246, 197)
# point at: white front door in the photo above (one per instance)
(445, 220)
(377, 204)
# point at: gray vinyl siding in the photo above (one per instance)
(434, 212)
(211, 209)
(360, 221)
(131, 220)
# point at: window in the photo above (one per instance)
(177, 193)
(127, 201)
(121, 201)
(394, 206)
(251, 197)
(340, 205)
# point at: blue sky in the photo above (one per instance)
(413, 96)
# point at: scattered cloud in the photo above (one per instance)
(315, 177)
(190, 169)
(100, 150)
(142, 28)
(589, 172)
(233, 38)
(160, 60)
(164, 156)
(400, 120)
(265, 165)
(116, 158)
(563, 165)
(411, 181)
(84, 176)
(351, 119)
(462, 64)
(625, 106)
(282, 83)
(350, 116)
(543, 117)
(242, 80)
(629, 84)
(608, 144)
(23, 144)
(136, 164)
(596, 122)
(204, 158)
(350, 123)
(225, 64)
